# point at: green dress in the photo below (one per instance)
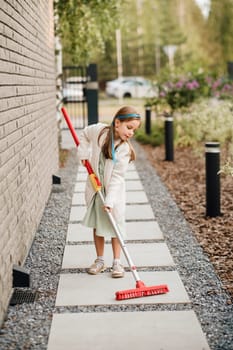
(96, 217)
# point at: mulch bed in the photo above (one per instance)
(185, 180)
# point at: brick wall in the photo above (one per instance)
(28, 129)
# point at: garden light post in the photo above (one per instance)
(148, 120)
(212, 156)
(168, 134)
(92, 94)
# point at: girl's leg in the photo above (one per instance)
(98, 266)
(116, 248)
(99, 244)
(117, 268)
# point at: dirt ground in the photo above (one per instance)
(185, 179)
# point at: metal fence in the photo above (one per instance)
(74, 81)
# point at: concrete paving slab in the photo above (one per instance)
(81, 176)
(131, 167)
(83, 289)
(131, 197)
(132, 185)
(140, 230)
(79, 233)
(139, 212)
(77, 213)
(78, 198)
(133, 212)
(132, 175)
(136, 197)
(145, 230)
(161, 330)
(80, 186)
(143, 255)
(82, 169)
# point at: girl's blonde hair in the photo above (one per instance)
(124, 114)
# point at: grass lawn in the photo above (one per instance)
(109, 106)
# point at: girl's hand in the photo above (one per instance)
(83, 161)
(107, 209)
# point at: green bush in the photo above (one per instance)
(156, 137)
(210, 120)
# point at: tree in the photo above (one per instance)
(220, 29)
(85, 27)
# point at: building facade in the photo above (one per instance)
(28, 129)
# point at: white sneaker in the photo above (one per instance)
(97, 267)
(117, 270)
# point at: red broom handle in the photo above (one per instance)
(68, 121)
(89, 167)
(97, 183)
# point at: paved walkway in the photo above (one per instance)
(104, 323)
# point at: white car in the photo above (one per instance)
(135, 87)
(73, 89)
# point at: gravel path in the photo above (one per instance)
(27, 326)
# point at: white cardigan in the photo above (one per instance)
(114, 173)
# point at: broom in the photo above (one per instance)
(141, 289)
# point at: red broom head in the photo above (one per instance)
(141, 291)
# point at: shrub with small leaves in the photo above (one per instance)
(210, 120)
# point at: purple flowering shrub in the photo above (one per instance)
(181, 92)
(220, 88)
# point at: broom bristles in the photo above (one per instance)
(141, 291)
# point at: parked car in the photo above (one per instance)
(135, 87)
(113, 84)
(73, 89)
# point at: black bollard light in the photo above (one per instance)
(92, 94)
(148, 120)
(169, 148)
(212, 156)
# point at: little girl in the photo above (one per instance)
(109, 151)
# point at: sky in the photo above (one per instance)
(204, 5)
